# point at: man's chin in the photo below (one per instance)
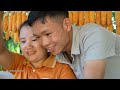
(55, 53)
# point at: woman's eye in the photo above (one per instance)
(22, 41)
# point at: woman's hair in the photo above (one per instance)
(25, 23)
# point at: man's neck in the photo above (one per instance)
(69, 45)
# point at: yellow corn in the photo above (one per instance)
(103, 18)
(75, 17)
(87, 16)
(97, 18)
(92, 16)
(81, 18)
(71, 16)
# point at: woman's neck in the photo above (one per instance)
(39, 63)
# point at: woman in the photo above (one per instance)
(36, 63)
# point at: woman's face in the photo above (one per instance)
(30, 46)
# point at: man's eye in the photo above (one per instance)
(48, 34)
(34, 40)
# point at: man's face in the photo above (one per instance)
(52, 35)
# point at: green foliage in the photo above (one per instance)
(0, 68)
(113, 21)
(11, 46)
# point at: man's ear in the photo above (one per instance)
(67, 24)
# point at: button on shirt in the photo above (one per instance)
(94, 42)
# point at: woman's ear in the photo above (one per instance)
(67, 24)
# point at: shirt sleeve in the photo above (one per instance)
(67, 73)
(16, 62)
(99, 44)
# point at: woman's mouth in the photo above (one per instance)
(31, 53)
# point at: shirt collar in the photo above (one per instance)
(49, 62)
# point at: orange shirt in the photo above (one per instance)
(51, 69)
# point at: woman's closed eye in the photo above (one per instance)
(22, 41)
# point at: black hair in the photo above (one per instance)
(41, 15)
(25, 23)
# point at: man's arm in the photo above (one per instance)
(99, 44)
(94, 69)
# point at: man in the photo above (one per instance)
(90, 50)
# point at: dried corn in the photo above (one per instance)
(97, 18)
(71, 16)
(75, 17)
(109, 17)
(92, 16)
(103, 18)
(5, 22)
(81, 18)
(14, 27)
(87, 16)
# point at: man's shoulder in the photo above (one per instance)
(90, 27)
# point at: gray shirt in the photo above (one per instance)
(94, 42)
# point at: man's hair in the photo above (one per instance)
(41, 16)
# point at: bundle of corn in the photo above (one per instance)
(11, 22)
(103, 18)
(117, 19)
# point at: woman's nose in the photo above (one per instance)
(29, 45)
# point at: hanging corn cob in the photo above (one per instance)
(5, 22)
(109, 17)
(110, 27)
(75, 17)
(87, 16)
(92, 16)
(24, 16)
(97, 18)
(71, 16)
(109, 21)
(10, 21)
(7, 35)
(81, 18)
(19, 19)
(14, 23)
(117, 19)
(16, 38)
(103, 18)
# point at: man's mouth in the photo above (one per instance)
(50, 49)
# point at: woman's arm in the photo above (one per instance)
(5, 55)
